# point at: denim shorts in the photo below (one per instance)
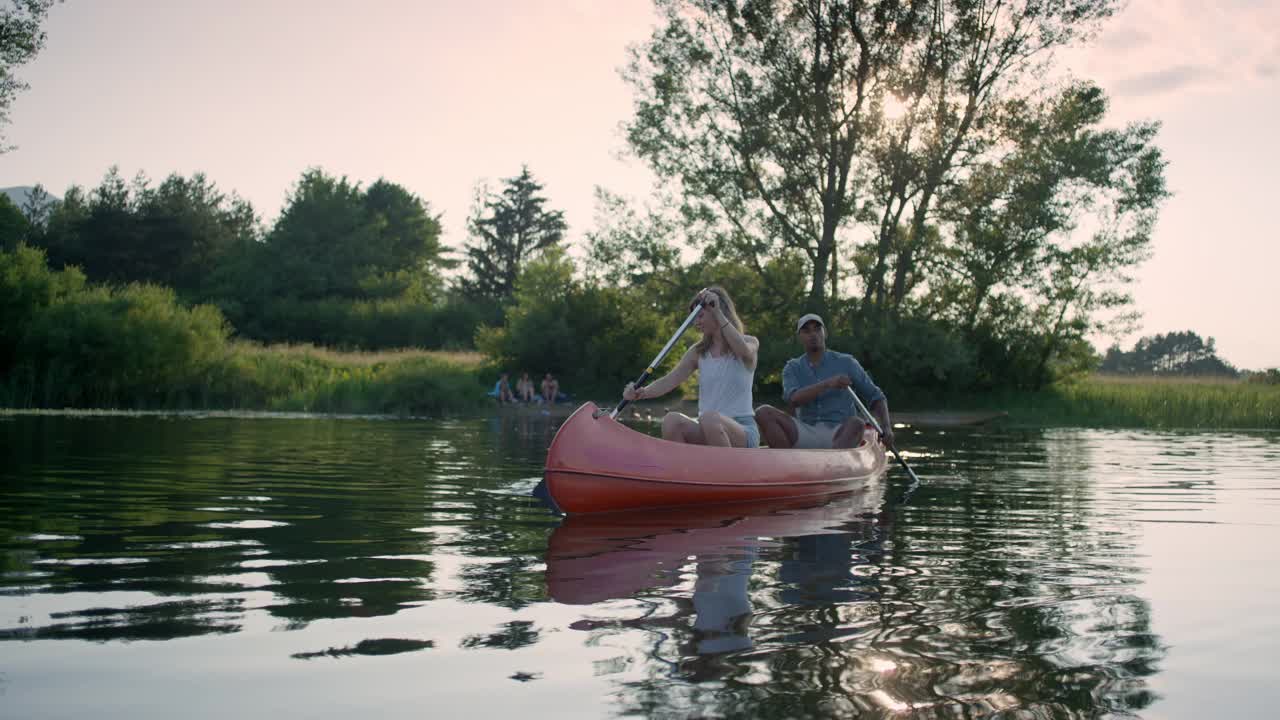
(748, 423)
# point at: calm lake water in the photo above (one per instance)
(304, 567)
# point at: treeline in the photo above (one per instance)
(342, 265)
(1175, 353)
(67, 342)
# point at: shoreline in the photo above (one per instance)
(653, 413)
(426, 390)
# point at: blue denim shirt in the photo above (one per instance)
(832, 406)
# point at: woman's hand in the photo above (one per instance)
(709, 300)
(632, 393)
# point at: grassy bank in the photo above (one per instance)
(1141, 402)
(296, 378)
(303, 378)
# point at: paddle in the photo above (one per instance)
(657, 360)
(880, 430)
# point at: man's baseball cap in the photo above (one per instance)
(808, 317)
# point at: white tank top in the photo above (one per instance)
(724, 386)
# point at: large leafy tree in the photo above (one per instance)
(925, 142)
(762, 112)
(972, 68)
(774, 118)
(189, 226)
(335, 239)
(507, 228)
(20, 40)
(1046, 235)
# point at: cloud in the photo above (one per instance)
(1155, 52)
(1164, 81)
(1124, 39)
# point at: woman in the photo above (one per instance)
(725, 359)
(524, 388)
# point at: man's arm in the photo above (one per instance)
(806, 395)
(880, 409)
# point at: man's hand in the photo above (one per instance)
(887, 435)
(838, 382)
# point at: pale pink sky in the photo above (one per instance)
(439, 95)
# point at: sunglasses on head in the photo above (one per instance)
(711, 299)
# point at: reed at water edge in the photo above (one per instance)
(1144, 402)
(291, 378)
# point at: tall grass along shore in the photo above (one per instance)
(290, 378)
(1144, 402)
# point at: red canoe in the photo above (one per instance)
(600, 465)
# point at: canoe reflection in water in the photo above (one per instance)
(811, 544)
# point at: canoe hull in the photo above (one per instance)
(599, 465)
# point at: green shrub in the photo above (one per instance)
(27, 288)
(134, 345)
(365, 324)
(419, 386)
(587, 336)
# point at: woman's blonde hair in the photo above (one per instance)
(730, 312)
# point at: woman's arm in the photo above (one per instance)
(745, 347)
(665, 384)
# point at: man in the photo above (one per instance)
(815, 384)
(550, 389)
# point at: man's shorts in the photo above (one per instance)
(817, 436)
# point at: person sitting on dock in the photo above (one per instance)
(524, 388)
(550, 389)
(815, 384)
(502, 390)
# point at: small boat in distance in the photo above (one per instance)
(596, 464)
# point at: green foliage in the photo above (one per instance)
(1150, 403)
(507, 229)
(27, 289)
(65, 342)
(911, 359)
(334, 239)
(346, 267)
(84, 345)
(368, 261)
(1270, 376)
(14, 226)
(382, 323)
(175, 234)
(583, 333)
(414, 387)
(770, 121)
(760, 111)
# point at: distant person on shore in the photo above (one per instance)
(816, 385)
(524, 388)
(550, 389)
(725, 359)
(502, 390)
